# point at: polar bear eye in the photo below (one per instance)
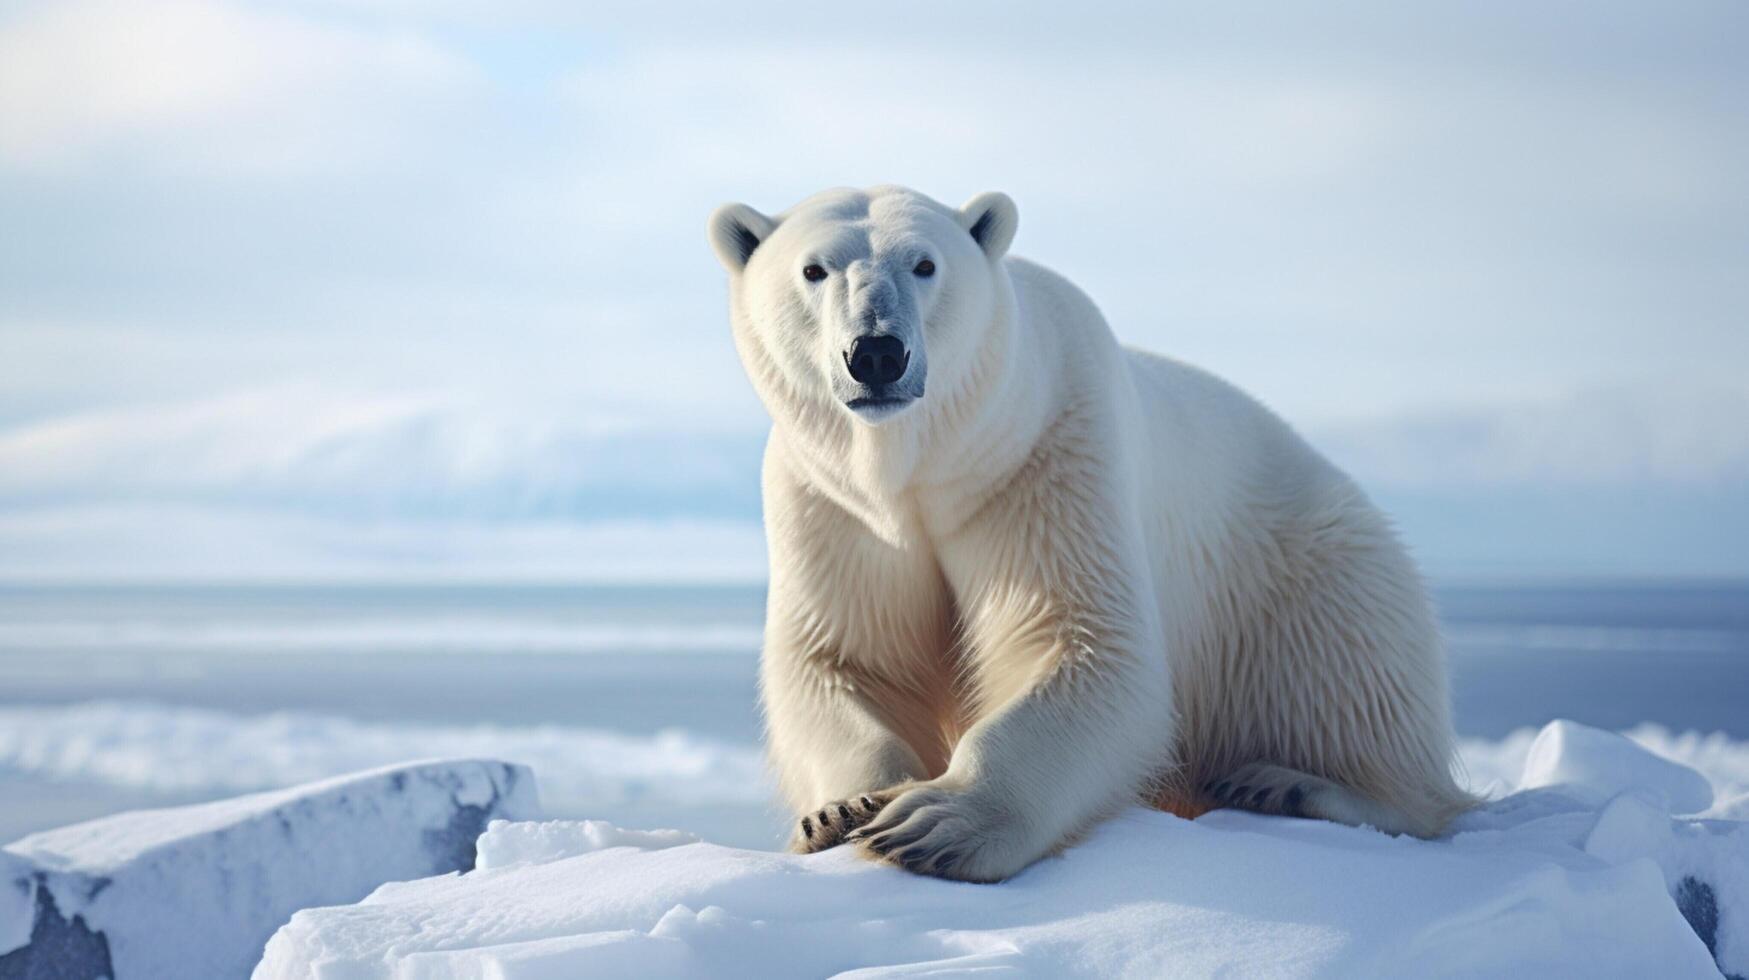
(924, 269)
(813, 273)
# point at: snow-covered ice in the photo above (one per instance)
(1575, 865)
(196, 891)
(1590, 866)
(505, 843)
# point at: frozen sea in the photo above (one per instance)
(637, 703)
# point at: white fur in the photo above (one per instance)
(1067, 577)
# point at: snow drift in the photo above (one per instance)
(1584, 870)
(196, 891)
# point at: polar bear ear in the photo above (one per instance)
(735, 231)
(991, 219)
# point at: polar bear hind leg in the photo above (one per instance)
(1263, 787)
(1324, 694)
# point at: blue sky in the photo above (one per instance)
(387, 288)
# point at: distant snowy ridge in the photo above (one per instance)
(193, 750)
(196, 750)
(583, 770)
(425, 634)
(480, 634)
(1594, 639)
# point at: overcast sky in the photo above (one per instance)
(443, 256)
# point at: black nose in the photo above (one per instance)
(877, 359)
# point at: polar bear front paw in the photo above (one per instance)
(932, 830)
(828, 826)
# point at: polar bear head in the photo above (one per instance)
(862, 302)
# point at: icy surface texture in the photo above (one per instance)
(196, 891)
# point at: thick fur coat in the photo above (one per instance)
(1022, 576)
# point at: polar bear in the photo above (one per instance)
(1022, 576)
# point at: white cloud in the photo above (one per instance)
(249, 435)
(1671, 436)
(1343, 239)
(303, 449)
(1360, 215)
(778, 121)
(1343, 236)
(237, 544)
(207, 85)
(324, 450)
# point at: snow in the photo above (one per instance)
(1495, 768)
(196, 891)
(177, 749)
(1593, 843)
(1583, 869)
(1591, 762)
(505, 843)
